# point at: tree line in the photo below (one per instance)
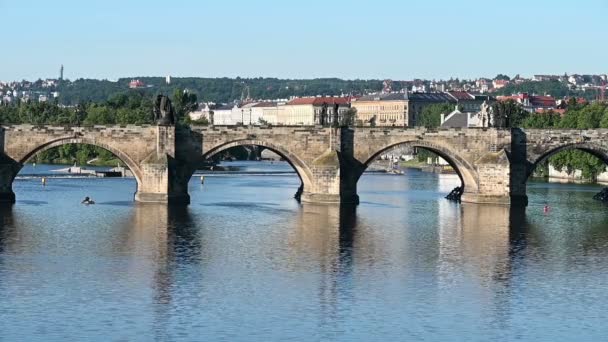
(133, 107)
(218, 90)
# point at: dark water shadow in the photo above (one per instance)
(32, 202)
(117, 203)
(7, 226)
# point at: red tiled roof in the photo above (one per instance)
(318, 101)
(548, 101)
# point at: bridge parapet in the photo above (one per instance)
(542, 143)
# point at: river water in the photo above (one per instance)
(246, 262)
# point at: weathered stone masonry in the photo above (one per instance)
(493, 164)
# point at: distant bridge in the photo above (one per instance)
(493, 164)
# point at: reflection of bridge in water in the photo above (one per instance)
(493, 164)
(330, 252)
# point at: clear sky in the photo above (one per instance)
(302, 38)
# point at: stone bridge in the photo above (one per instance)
(493, 164)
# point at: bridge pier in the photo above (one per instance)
(331, 181)
(8, 170)
(159, 184)
(335, 172)
(163, 179)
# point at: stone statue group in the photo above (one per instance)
(486, 115)
(163, 111)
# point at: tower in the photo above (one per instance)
(61, 73)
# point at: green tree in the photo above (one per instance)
(183, 102)
(509, 114)
(431, 115)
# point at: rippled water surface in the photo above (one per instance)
(246, 262)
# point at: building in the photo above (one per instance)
(243, 114)
(458, 119)
(223, 115)
(497, 84)
(313, 110)
(136, 84)
(382, 109)
(251, 113)
(265, 113)
(531, 103)
(543, 78)
(468, 102)
(203, 111)
(418, 101)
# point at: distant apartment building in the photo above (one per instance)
(400, 109)
(265, 113)
(483, 85)
(313, 110)
(243, 114)
(202, 112)
(498, 84)
(531, 103)
(382, 109)
(418, 101)
(468, 102)
(251, 113)
(222, 115)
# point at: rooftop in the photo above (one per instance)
(319, 101)
(431, 97)
(384, 97)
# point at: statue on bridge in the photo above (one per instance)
(323, 115)
(336, 118)
(486, 115)
(163, 111)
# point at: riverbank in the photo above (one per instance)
(96, 162)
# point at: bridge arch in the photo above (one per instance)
(296, 163)
(592, 148)
(129, 162)
(465, 171)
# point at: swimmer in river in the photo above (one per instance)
(87, 200)
(546, 208)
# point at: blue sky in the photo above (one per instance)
(302, 39)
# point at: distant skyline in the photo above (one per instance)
(353, 39)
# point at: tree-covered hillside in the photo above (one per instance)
(219, 90)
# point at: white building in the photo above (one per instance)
(223, 115)
(264, 113)
(202, 112)
(458, 119)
